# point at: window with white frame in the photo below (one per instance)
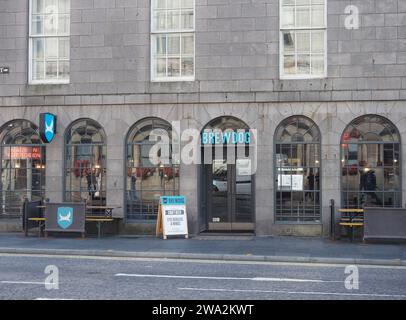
(172, 40)
(49, 41)
(303, 38)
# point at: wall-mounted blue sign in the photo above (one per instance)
(226, 137)
(47, 126)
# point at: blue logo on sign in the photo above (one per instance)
(173, 200)
(49, 126)
(65, 217)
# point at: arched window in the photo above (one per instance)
(370, 163)
(297, 176)
(22, 157)
(151, 172)
(85, 163)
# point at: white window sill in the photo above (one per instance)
(174, 79)
(302, 77)
(48, 82)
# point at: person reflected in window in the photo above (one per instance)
(368, 185)
(91, 182)
(310, 183)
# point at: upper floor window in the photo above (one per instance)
(303, 39)
(172, 40)
(49, 44)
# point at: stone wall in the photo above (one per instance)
(332, 118)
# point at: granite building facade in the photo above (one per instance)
(327, 99)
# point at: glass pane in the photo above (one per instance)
(289, 65)
(303, 42)
(187, 4)
(302, 16)
(391, 180)
(289, 42)
(388, 154)
(51, 69)
(318, 16)
(174, 45)
(64, 48)
(63, 24)
(312, 155)
(397, 155)
(38, 70)
(317, 42)
(50, 24)
(64, 6)
(303, 64)
(390, 199)
(160, 20)
(288, 17)
(173, 20)
(173, 4)
(317, 64)
(51, 48)
(187, 67)
(303, 2)
(173, 67)
(351, 199)
(286, 155)
(187, 19)
(51, 6)
(219, 210)
(160, 4)
(188, 44)
(297, 155)
(160, 45)
(38, 48)
(371, 198)
(64, 70)
(37, 25)
(161, 67)
(243, 201)
(38, 6)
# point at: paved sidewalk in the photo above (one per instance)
(283, 249)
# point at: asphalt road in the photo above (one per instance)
(23, 277)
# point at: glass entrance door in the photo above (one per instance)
(230, 206)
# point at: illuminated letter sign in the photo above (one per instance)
(226, 137)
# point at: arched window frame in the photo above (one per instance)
(140, 203)
(358, 136)
(15, 164)
(92, 173)
(305, 136)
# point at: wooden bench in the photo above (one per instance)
(352, 218)
(41, 224)
(98, 219)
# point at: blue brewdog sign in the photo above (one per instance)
(47, 127)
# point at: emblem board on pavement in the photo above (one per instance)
(172, 217)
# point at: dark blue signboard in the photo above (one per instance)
(65, 217)
(47, 127)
